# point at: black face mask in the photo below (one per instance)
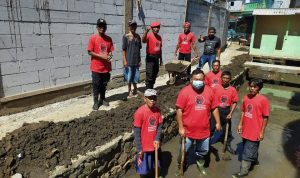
(153, 98)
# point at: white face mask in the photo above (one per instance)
(197, 84)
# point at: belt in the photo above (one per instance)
(154, 55)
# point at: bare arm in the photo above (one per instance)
(240, 126)
(233, 106)
(201, 39)
(262, 133)
(124, 58)
(180, 123)
(144, 38)
(195, 48)
(219, 53)
(216, 115)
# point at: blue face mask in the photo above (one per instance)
(197, 84)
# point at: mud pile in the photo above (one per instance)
(175, 67)
(237, 64)
(37, 148)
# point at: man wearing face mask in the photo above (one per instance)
(212, 48)
(194, 105)
(154, 53)
(186, 41)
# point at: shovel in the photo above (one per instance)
(225, 156)
(182, 156)
(156, 162)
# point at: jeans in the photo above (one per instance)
(201, 148)
(207, 58)
(152, 68)
(186, 57)
(99, 81)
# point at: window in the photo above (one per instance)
(232, 3)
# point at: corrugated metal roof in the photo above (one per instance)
(290, 11)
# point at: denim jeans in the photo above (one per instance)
(207, 58)
(201, 148)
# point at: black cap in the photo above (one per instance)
(132, 22)
(101, 22)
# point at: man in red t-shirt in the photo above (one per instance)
(100, 47)
(154, 53)
(254, 120)
(212, 78)
(194, 105)
(147, 131)
(227, 98)
(186, 41)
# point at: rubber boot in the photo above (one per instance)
(96, 104)
(200, 165)
(244, 169)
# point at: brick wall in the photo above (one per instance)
(43, 42)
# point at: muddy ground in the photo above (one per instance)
(36, 148)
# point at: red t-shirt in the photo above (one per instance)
(225, 96)
(154, 44)
(212, 79)
(196, 109)
(185, 41)
(147, 119)
(255, 109)
(100, 45)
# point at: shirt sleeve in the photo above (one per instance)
(266, 107)
(138, 119)
(181, 100)
(90, 46)
(124, 43)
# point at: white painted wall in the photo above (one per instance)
(234, 6)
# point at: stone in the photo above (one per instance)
(123, 158)
(10, 161)
(17, 175)
(115, 170)
(127, 147)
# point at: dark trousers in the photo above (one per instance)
(223, 114)
(186, 57)
(99, 81)
(152, 68)
(250, 150)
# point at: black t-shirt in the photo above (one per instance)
(132, 45)
(211, 45)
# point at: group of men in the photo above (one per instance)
(205, 105)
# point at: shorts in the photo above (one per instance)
(250, 150)
(131, 74)
(147, 165)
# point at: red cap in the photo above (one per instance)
(155, 24)
(186, 24)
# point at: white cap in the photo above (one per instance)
(150, 92)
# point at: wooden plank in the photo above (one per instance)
(128, 11)
(273, 68)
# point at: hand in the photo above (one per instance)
(156, 144)
(229, 116)
(261, 136)
(125, 64)
(239, 129)
(181, 132)
(148, 29)
(140, 155)
(109, 57)
(218, 127)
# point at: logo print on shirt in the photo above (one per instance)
(200, 103)
(224, 100)
(157, 46)
(249, 109)
(152, 124)
(102, 48)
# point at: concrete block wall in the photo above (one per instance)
(43, 42)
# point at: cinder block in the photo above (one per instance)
(9, 67)
(75, 50)
(68, 80)
(58, 4)
(75, 60)
(64, 16)
(43, 52)
(80, 28)
(86, 59)
(5, 28)
(60, 72)
(105, 8)
(61, 61)
(8, 55)
(60, 51)
(19, 79)
(26, 53)
(3, 13)
(42, 28)
(90, 17)
(114, 29)
(30, 14)
(10, 91)
(35, 65)
(84, 6)
(32, 87)
(76, 70)
(65, 39)
(86, 76)
(29, 4)
(44, 75)
(120, 10)
(114, 19)
(58, 28)
(4, 3)
(34, 40)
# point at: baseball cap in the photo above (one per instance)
(101, 21)
(132, 22)
(150, 92)
(186, 24)
(155, 24)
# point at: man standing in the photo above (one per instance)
(194, 105)
(227, 98)
(100, 47)
(131, 57)
(213, 78)
(212, 48)
(186, 41)
(154, 53)
(254, 120)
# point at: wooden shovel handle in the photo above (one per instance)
(156, 162)
(182, 155)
